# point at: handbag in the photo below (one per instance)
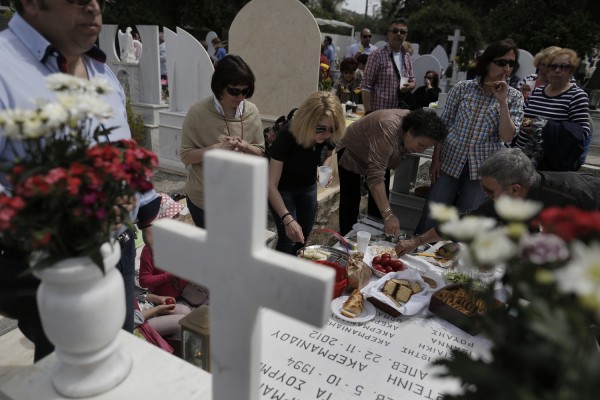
(194, 295)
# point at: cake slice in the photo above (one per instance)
(403, 294)
(354, 305)
(389, 287)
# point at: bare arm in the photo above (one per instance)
(391, 222)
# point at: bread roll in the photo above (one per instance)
(354, 305)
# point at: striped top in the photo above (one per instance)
(571, 105)
(473, 119)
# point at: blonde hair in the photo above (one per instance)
(317, 106)
(542, 56)
(574, 60)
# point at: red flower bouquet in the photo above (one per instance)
(67, 183)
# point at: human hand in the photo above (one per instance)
(123, 204)
(168, 300)
(499, 90)
(391, 226)
(240, 144)
(434, 169)
(406, 247)
(165, 309)
(293, 230)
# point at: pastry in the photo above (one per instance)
(354, 305)
(448, 250)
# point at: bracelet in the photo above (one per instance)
(386, 210)
(285, 215)
(292, 220)
(390, 215)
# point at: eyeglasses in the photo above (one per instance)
(559, 67)
(487, 192)
(398, 31)
(83, 3)
(235, 92)
(321, 129)
(366, 36)
(503, 62)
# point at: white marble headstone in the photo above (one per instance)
(440, 54)
(243, 275)
(210, 49)
(526, 66)
(380, 43)
(190, 70)
(280, 40)
(423, 64)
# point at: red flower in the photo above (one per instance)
(569, 223)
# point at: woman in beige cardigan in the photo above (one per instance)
(226, 120)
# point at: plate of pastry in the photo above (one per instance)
(353, 308)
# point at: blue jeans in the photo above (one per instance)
(586, 148)
(197, 214)
(126, 266)
(302, 204)
(464, 193)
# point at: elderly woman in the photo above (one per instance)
(297, 151)
(226, 120)
(482, 115)
(540, 77)
(560, 99)
(374, 145)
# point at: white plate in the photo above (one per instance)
(367, 314)
(437, 278)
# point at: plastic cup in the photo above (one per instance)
(531, 84)
(362, 239)
(442, 100)
(403, 81)
(324, 175)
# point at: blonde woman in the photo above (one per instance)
(299, 149)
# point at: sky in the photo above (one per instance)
(359, 5)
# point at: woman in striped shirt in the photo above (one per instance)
(558, 100)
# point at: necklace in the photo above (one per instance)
(227, 125)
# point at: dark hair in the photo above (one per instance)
(509, 166)
(435, 82)
(232, 70)
(399, 21)
(328, 39)
(348, 65)
(18, 6)
(493, 51)
(425, 123)
(362, 59)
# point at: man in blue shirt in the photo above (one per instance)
(46, 37)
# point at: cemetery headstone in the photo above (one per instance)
(283, 53)
(526, 66)
(242, 274)
(440, 54)
(423, 64)
(455, 39)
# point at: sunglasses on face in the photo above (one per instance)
(428, 77)
(503, 62)
(366, 36)
(320, 129)
(83, 3)
(236, 92)
(398, 31)
(559, 67)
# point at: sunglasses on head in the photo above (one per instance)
(559, 67)
(366, 36)
(503, 62)
(83, 3)
(324, 129)
(398, 31)
(236, 91)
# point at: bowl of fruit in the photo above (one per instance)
(386, 263)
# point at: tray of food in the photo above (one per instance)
(317, 252)
(442, 254)
(399, 293)
(461, 307)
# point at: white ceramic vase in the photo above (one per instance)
(82, 311)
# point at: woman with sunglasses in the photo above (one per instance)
(481, 115)
(226, 120)
(429, 92)
(296, 153)
(560, 99)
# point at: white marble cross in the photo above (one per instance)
(455, 39)
(243, 275)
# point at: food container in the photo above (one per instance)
(341, 280)
(469, 322)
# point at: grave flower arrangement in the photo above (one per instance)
(67, 184)
(325, 82)
(545, 341)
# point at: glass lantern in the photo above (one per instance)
(196, 339)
